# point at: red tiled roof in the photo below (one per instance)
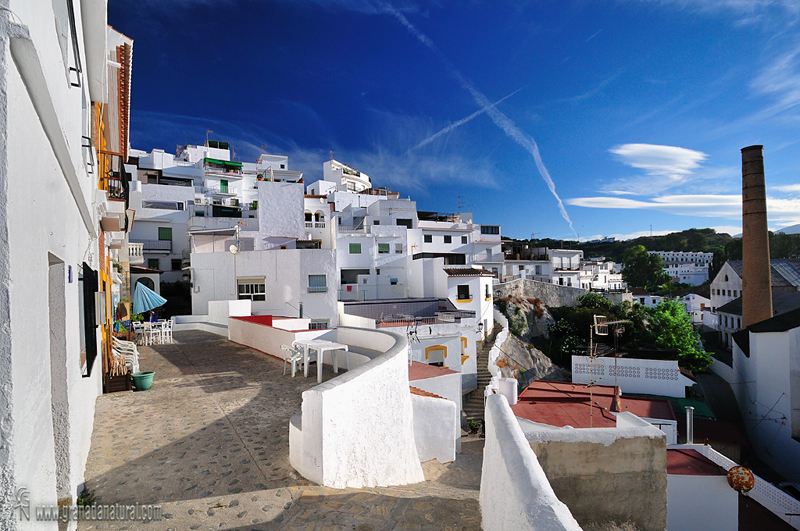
(421, 371)
(685, 462)
(565, 404)
(420, 392)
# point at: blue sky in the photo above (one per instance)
(559, 118)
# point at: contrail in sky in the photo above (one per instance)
(459, 123)
(501, 120)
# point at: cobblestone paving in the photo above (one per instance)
(209, 442)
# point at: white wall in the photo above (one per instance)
(219, 311)
(285, 272)
(280, 211)
(699, 503)
(515, 493)
(434, 424)
(46, 407)
(357, 429)
(653, 377)
(447, 386)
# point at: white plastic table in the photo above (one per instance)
(322, 345)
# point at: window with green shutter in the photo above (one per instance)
(383, 248)
(355, 248)
(165, 234)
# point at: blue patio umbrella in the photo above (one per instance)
(145, 299)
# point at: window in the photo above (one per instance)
(152, 263)
(318, 324)
(729, 293)
(393, 281)
(463, 292)
(448, 239)
(355, 248)
(726, 320)
(407, 223)
(165, 234)
(223, 186)
(376, 222)
(490, 229)
(738, 323)
(734, 293)
(176, 264)
(428, 238)
(383, 248)
(252, 289)
(398, 248)
(488, 295)
(464, 239)
(317, 284)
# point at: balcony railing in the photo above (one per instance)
(315, 224)
(135, 253)
(359, 229)
(163, 246)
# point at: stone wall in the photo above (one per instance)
(606, 474)
(549, 294)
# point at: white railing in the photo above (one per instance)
(764, 492)
(315, 224)
(632, 375)
(135, 253)
(361, 229)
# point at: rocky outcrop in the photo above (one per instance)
(526, 363)
(550, 294)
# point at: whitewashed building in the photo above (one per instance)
(64, 100)
(699, 308)
(684, 257)
(554, 266)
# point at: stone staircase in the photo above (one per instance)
(472, 405)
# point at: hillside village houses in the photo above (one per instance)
(338, 260)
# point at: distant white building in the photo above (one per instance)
(684, 257)
(553, 266)
(692, 274)
(601, 276)
(699, 308)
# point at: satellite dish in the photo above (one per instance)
(233, 249)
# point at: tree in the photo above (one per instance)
(672, 328)
(734, 249)
(595, 300)
(781, 246)
(641, 270)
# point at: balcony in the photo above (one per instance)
(135, 253)
(354, 229)
(315, 224)
(156, 246)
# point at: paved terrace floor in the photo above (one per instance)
(209, 442)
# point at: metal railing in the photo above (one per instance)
(361, 229)
(156, 245)
(317, 289)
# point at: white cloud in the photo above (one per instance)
(780, 211)
(789, 188)
(781, 79)
(664, 167)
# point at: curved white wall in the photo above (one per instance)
(515, 493)
(357, 429)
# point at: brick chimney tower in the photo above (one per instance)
(756, 278)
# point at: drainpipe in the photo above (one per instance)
(689, 425)
(301, 310)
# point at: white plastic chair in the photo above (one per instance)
(166, 330)
(128, 350)
(293, 356)
(138, 332)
